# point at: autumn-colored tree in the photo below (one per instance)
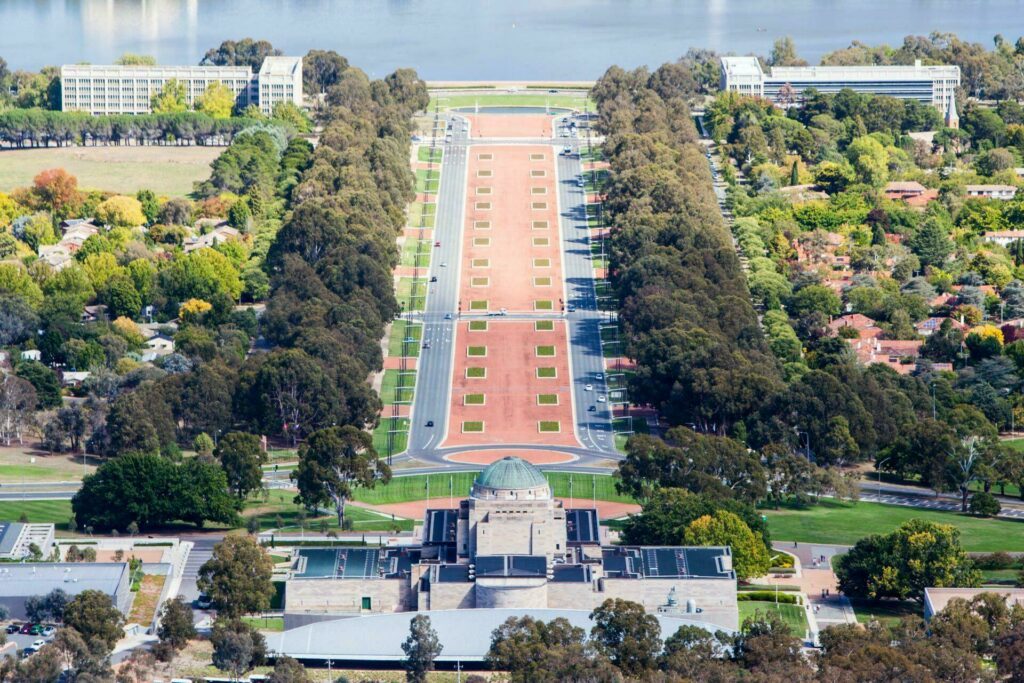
(749, 555)
(193, 310)
(170, 99)
(57, 191)
(218, 101)
(121, 211)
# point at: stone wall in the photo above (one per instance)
(341, 596)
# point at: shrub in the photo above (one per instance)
(984, 505)
(767, 596)
(995, 561)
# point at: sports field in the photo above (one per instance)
(169, 171)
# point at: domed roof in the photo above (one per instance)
(510, 473)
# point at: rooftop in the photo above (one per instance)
(280, 66)
(865, 73)
(742, 66)
(39, 578)
(511, 473)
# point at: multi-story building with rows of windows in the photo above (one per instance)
(113, 89)
(784, 85)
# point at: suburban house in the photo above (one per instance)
(1003, 192)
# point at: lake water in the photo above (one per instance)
(480, 39)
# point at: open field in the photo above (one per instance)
(414, 487)
(885, 611)
(280, 512)
(400, 439)
(56, 511)
(793, 615)
(401, 330)
(16, 466)
(846, 523)
(167, 171)
(570, 100)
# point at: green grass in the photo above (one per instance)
(416, 253)
(793, 615)
(888, 612)
(282, 504)
(476, 372)
(545, 351)
(265, 623)
(422, 215)
(170, 171)
(427, 153)
(522, 99)
(543, 305)
(1000, 577)
(846, 523)
(397, 386)
(477, 325)
(478, 305)
(595, 180)
(547, 399)
(612, 349)
(16, 474)
(400, 330)
(549, 426)
(546, 373)
(544, 325)
(399, 440)
(414, 487)
(472, 427)
(592, 154)
(609, 333)
(473, 399)
(476, 351)
(411, 294)
(38, 511)
(427, 181)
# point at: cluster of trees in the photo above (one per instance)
(966, 641)
(684, 303)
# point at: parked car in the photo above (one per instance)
(600, 399)
(204, 601)
(26, 629)
(38, 643)
(28, 652)
(36, 630)
(430, 423)
(49, 631)
(14, 628)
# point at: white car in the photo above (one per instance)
(444, 265)
(600, 399)
(589, 387)
(599, 376)
(38, 643)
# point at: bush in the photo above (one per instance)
(768, 596)
(984, 505)
(996, 561)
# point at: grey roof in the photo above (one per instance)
(39, 578)
(9, 533)
(511, 473)
(464, 633)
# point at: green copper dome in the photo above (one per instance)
(511, 473)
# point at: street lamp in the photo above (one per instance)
(878, 468)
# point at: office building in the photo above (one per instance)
(783, 85)
(115, 89)
(17, 539)
(512, 546)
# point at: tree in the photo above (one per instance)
(870, 160)
(44, 380)
(931, 243)
(421, 648)
(242, 457)
(121, 212)
(625, 633)
(121, 297)
(170, 99)
(903, 563)
(233, 652)
(288, 670)
(217, 102)
(532, 651)
(18, 403)
(176, 624)
(749, 556)
(18, 321)
(333, 462)
(92, 614)
(245, 52)
(56, 191)
(784, 53)
(984, 504)
(667, 514)
(321, 69)
(131, 59)
(238, 577)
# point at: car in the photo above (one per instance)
(433, 278)
(570, 308)
(38, 643)
(426, 345)
(589, 387)
(49, 631)
(552, 90)
(437, 244)
(599, 376)
(14, 628)
(444, 264)
(28, 652)
(564, 133)
(591, 409)
(580, 182)
(600, 399)
(447, 316)
(567, 150)
(503, 311)
(36, 630)
(204, 601)
(26, 629)
(430, 423)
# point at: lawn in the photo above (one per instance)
(545, 351)
(544, 325)
(888, 612)
(565, 100)
(477, 325)
(549, 426)
(399, 440)
(473, 427)
(476, 373)
(473, 399)
(421, 215)
(411, 294)
(397, 386)
(427, 181)
(427, 153)
(265, 623)
(476, 351)
(280, 512)
(546, 373)
(793, 615)
(846, 523)
(42, 511)
(146, 598)
(414, 487)
(547, 399)
(595, 180)
(403, 329)
(17, 466)
(416, 253)
(167, 171)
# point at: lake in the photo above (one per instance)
(480, 39)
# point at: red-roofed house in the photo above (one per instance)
(930, 325)
(866, 327)
(898, 354)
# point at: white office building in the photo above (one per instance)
(933, 85)
(115, 89)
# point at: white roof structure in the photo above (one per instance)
(464, 633)
(280, 66)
